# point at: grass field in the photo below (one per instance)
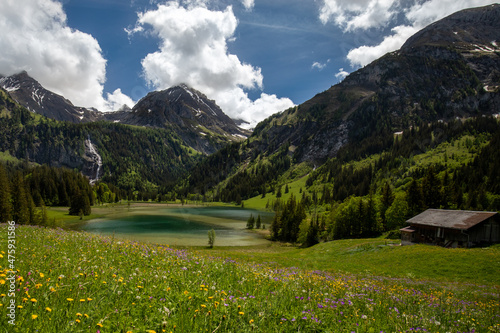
(69, 281)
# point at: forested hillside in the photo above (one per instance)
(370, 187)
(133, 158)
(26, 191)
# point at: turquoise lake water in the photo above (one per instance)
(184, 226)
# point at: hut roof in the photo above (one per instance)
(452, 219)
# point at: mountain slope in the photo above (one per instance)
(32, 95)
(196, 119)
(427, 80)
(430, 79)
(133, 158)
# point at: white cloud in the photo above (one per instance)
(117, 100)
(364, 55)
(249, 4)
(419, 14)
(358, 14)
(35, 37)
(342, 74)
(320, 66)
(193, 50)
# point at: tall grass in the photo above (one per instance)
(78, 282)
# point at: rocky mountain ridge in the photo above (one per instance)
(32, 95)
(449, 70)
(197, 120)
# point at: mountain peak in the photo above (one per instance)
(197, 119)
(466, 28)
(32, 95)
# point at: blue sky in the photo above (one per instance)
(254, 57)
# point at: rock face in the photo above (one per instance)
(196, 119)
(449, 70)
(33, 96)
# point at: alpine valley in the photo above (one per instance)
(416, 128)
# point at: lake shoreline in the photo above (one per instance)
(228, 221)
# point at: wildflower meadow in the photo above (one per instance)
(68, 281)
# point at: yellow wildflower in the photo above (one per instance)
(69, 299)
(48, 309)
(34, 316)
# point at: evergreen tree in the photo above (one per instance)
(312, 233)
(415, 198)
(386, 201)
(446, 190)
(278, 193)
(5, 198)
(250, 222)
(431, 189)
(258, 222)
(20, 212)
(276, 226)
(370, 219)
(80, 204)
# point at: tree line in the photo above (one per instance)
(25, 192)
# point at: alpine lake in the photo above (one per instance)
(182, 225)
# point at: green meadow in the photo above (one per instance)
(67, 281)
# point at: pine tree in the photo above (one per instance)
(20, 212)
(385, 202)
(278, 192)
(5, 198)
(80, 204)
(446, 191)
(276, 226)
(415, 198)
(370, 221)
(312, 234)
(250, 222)
(431, 189)
(258, 223)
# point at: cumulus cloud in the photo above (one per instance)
(35, 37)
(358, 14)
(342, 74)
(365, 14)
(117, 100)
(364, 55)
(193, 50)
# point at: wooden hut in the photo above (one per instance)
(452, 228)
